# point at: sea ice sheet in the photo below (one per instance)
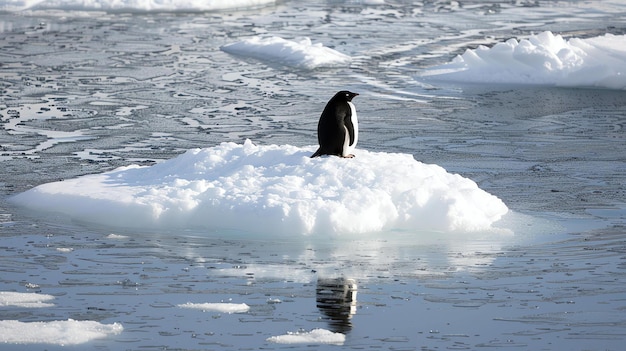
(275, 190)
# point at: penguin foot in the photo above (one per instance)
(348, 156)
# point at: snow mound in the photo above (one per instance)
(132, 5)
(315, 336)
(68, 332)
(275, 190)
(28, 300)
(218, 307)
(299, 54)
(543, 59)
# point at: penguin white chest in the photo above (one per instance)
(347, 148)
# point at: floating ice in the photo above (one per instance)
(68, 332)
(300, 54)
(218, 307)
(545, 59)
(132, 5)
(275, 190)
(315, 336)
(116, 236)
(29, 300)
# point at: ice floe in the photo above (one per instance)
(299, 53)
(275, 190)
(543, 59)
(221, 307)
(132, 5)
(28, 300)
(69, 332)
(315, 336)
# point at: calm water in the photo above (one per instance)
(85, 93)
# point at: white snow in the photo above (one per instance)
(543, 59)
(70, 332)
(221, 307)
(275, 190)
(132, 5)
(28, 300)
(315, 336)
(300, 53)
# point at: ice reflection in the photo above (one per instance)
(336, 300)
(365, 259)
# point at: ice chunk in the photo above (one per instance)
(29, 300)
(315, 336)
(301, 53)
(218, 307)
(70, 332)
(275, 191)
(545, 59)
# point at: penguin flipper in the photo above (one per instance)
(350, 127)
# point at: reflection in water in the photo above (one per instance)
(336, 299)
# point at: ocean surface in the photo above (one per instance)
(85, 91)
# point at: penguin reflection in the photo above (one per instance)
(336, 300)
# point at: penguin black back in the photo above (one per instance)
(337, 130)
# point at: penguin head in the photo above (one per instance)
(345, 95)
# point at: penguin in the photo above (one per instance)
(338, 128)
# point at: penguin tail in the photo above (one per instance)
(317, 153)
